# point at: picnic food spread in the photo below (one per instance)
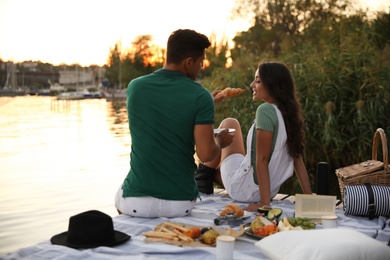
(232, 209)
(266, 223)
(231, 92)
(262, 227)
(271, 213)
(245, 247)
(231, 215)
(210, 237)
(189, 235)
(172, 231)
(291, 223)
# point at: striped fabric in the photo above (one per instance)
(356, 200)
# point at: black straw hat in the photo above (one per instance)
(88, 230)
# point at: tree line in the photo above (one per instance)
(339, 57)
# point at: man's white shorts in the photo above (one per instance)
(150, 207)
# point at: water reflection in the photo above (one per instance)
(119, 121)
(58, 158)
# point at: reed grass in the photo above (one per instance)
(343, 81)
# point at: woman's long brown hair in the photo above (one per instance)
(280, 85)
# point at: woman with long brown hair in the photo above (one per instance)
(275, 144)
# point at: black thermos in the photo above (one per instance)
(322, 183)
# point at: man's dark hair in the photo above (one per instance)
(184, 43)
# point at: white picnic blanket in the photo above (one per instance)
(206, 210)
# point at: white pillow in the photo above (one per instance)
(334, 244)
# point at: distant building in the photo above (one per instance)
(30, 65)
(31, 76)
(75, 78)
(25, 76)
(84, 77)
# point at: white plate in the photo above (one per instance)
(218, 130)
(246, 215)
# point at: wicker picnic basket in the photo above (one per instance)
(372, 171)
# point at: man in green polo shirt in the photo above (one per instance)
(170, 115)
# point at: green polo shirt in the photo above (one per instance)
(163, 108)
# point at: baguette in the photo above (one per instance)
(164, 229)
(173, 225)
(182, 236)
(157, 234)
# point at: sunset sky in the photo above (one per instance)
(83, 31)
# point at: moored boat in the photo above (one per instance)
(77, 95)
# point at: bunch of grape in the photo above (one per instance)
(304, 223)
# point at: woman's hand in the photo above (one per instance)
(254, 206)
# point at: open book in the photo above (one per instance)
(314, 206)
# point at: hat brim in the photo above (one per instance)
(61, 239)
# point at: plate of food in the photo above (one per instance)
(232, 215)
(248, 231)
(245, 216)
(260, 227)
(234, 211)
(181, 234)
(218, 130)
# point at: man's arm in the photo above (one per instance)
(208, 145)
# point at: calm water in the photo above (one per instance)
(57, 159)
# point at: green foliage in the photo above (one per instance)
(341, 67)
(140, 58)
(381, 27)
(113, 65)
(216, 55)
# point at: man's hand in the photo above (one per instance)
(224, 138)
(217, 98)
